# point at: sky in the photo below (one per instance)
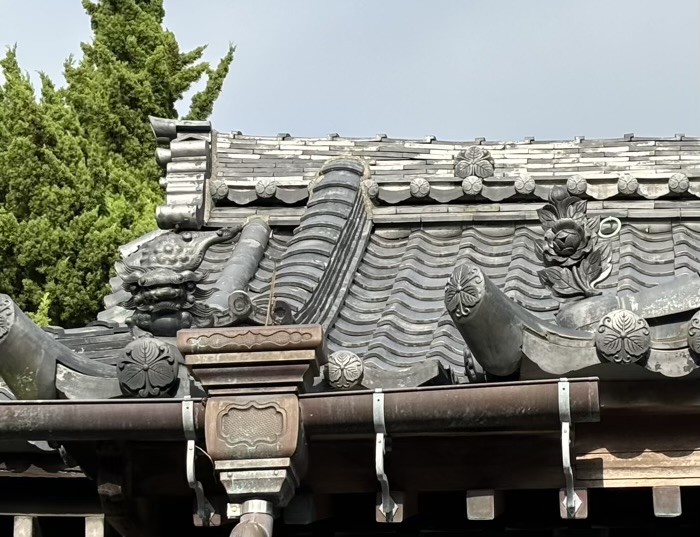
(499, 69)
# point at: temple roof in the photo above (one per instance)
(362, 235)
(394, 311)
(284, 266)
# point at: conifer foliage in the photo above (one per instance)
(78, 176)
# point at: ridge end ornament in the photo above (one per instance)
(163, 278)
(474, 161)
(464, 290)
(623, 337)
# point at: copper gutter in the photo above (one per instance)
(529, 406)
(104, 419)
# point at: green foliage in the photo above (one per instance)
(41, 316)
(203, 102)
(77, 172)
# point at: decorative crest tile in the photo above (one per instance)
(623, 337)
(678, 183)
(371, 187)
(524, 184)
(147, 367)
(464, 290)
(694, 334)
(627, 184)
(218, 189)
(576, 185)
(420, 187)
(344, 370)
(266, 187)
(474, 160)
(472, 185)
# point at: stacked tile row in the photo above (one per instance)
(268, 172)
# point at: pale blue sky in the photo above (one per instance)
(502, 69)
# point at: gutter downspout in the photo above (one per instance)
(256, 521)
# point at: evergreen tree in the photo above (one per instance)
(77, 173)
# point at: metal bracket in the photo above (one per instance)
(205, 510)
(388, 507)
(571, 500)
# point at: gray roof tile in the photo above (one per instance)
(393, 163)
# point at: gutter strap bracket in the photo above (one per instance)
(572, 502)
(205, 510)
(388, 506)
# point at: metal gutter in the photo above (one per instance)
(518, 406)
(90, 420)
(529, 405)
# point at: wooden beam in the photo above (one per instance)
(95, 526)
(26, 526)
(49, 506)
(667, 501)
(456, 463)
(484, 504)
(622, 451)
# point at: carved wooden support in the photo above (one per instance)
(251, 339)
